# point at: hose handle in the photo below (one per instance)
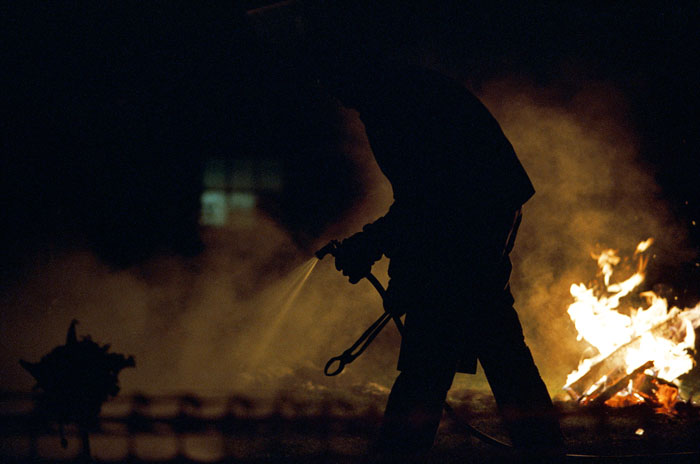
(329, 249)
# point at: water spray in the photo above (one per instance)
(305, 271)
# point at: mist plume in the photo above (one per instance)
(192, 323)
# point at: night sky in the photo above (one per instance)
(109, 108)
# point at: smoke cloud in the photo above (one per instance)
(593, 192)
(222, 322)
(219, 323)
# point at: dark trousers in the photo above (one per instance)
(442, 336)
(415, 404)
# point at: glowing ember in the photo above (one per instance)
(655, 334)
(626, 397)
(666, 397)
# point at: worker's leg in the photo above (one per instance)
(520, 393)
(413, 411)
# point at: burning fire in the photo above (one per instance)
(652, 342)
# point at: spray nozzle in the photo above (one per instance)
(331, 248)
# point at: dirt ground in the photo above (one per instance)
(330, 429)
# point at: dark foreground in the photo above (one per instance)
(325, 429)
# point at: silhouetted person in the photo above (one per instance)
(458, 191)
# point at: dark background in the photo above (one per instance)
(109, 109)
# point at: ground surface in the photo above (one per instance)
(333, 430)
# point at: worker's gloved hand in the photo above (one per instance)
(356, 255)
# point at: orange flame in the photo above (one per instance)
(597, 320)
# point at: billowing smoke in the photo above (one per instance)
(224, 320)
(235, 319)
(593, 192)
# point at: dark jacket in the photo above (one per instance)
(457, 186)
